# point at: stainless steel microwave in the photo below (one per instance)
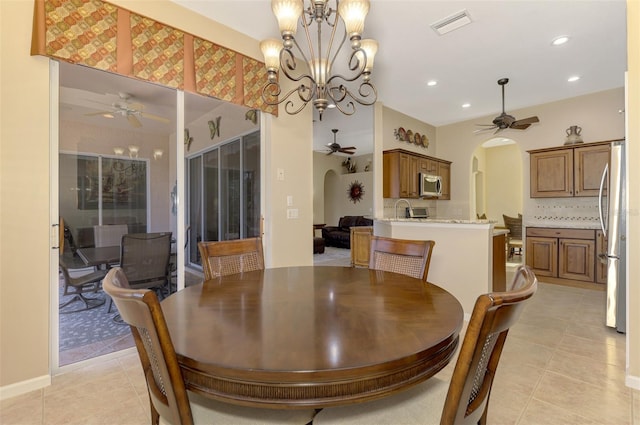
(430, 185)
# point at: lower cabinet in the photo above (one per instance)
(562, 253)
(360, 245)
(601, 266)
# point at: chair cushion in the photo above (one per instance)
(207, 411)
(421, 404)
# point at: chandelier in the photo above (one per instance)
(320, 84)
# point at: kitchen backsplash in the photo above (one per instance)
(390, 210)
(559, 211)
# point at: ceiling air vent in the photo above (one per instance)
(452, 22)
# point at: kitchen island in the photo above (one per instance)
(462, 259)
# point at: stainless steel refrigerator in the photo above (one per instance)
(612, 209)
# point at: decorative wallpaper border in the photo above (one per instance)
(100, 35)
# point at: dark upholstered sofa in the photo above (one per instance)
(340, 235)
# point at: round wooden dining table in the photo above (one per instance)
(300, 337)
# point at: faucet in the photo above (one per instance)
(408, 203)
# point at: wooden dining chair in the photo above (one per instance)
(229, 257)
(465, 398)
(403, 256)
(169, 398)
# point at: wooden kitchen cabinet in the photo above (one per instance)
(589, 166)
(396, 170)
(499, 266)
(360, 245)
(444, 171)
(401, 170)
(562, 253)
(542, 255)
(413, 179)
(552, 174)
(576, 259)
(601, 266)
(562, 172)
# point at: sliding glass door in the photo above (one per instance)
(224, 192)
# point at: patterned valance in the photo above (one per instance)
(103, 36)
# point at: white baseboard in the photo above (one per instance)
(632, 382)
(24, 387)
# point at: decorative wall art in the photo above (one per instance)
(355, 191)
(187, 139)
(252, 115)
(411, 137)
(214, 127)
(124, 183)
(350, 166)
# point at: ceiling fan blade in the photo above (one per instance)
(520, 126)
(480, 130)
(349, 147)
(529, 120)
(486, 125)
(135, 106)
(97, 113)
(134, 121)
(155, 117)
(498, 130)
(347, 152)
(329, 153)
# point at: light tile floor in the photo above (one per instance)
(560, 365)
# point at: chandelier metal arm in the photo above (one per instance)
(320, 85)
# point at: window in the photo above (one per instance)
(100, 190)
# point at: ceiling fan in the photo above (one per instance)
(335, 147)
(504, 120)
(130, 110)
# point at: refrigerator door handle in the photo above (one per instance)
(600, 193)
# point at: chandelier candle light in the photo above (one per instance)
(326, 89)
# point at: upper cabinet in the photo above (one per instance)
(568, 171)
(401, 170)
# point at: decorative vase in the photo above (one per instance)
(573, 135)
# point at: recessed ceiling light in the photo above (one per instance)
(108, 115)
(432, 83)
(466, 105)
(560, 40)
(573, 78)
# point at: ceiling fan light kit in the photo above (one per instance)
(129, 110)
(505, 121)
(320, 86)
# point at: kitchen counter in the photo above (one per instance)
(462, 258)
